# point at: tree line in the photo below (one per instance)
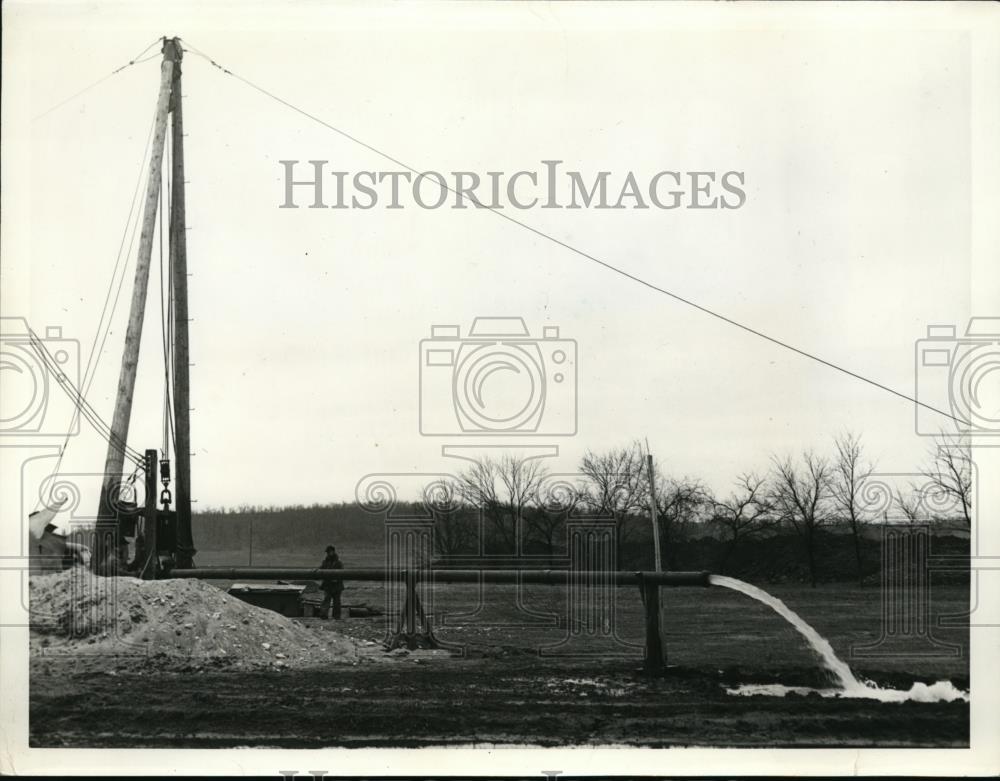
(515, 506)
(507, 502)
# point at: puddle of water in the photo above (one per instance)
(584, 682)
(942, 691)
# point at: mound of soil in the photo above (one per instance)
(178, 624)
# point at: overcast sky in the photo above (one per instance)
(855, 234)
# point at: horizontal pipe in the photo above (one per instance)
(533, 576)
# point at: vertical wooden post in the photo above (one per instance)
(179, 290)
(655, 659)
(409, 544)
(150, 564)
(115, 459)
(427, 632)
(411, 606)
(657, 564)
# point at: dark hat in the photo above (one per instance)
(330, 549)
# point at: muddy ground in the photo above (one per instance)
(516, 673)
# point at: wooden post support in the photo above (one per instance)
(406, 624)
(410, 606)
(424, 622)
(149, 563)
(655, 657)
(115, 459)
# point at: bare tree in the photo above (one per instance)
(454, 527)
(616, 488)
(477, 485)
(909, 504)
(618, 485)
(800, 494)
(746, 513)
(680, 504)
(503, 489)
(557, 501)
(850, 471)
(950, 474)
(520, 478)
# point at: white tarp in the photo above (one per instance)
(47, 544)
(37, 522)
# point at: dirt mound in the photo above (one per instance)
(178, 624)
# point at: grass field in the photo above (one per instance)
(713, 626)
(519, 673)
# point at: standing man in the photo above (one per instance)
(331, 588)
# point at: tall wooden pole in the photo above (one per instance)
(104, 559)
(652, 512)
(179, 290)
(655, 653)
